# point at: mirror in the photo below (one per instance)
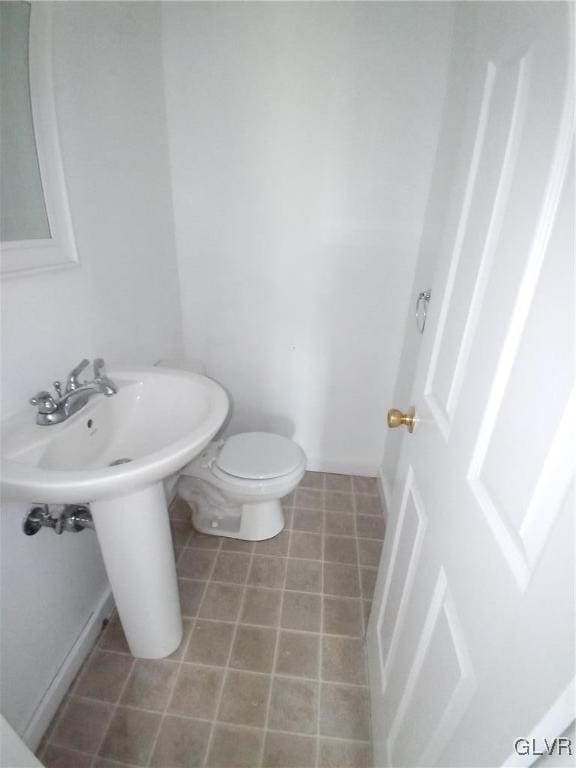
(35, 224)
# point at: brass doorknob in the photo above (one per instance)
(396, 418)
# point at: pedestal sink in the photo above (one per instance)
(114, 454)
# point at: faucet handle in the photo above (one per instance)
(72, 380)
(44, 401)
(99, 368)
(107, 386)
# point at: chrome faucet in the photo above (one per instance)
(56, 409)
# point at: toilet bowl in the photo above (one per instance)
(235, 485)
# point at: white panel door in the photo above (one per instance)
(471, 640)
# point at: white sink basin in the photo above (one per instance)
(159, 419)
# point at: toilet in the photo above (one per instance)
(235, 485)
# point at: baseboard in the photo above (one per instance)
(54, 694)
(342, 467)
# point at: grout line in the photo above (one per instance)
(184, 644)
(254, 673)
(52, 727)
(191, 619)
(226, 668)
(277, 641)
(112, 714)
(363, 618)
(179, 663)
(288, 557)
(321, 640)
(67, 749)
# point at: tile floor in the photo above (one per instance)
(272, 669)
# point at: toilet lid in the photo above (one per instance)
(259, 456)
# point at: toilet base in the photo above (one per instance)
(215, 514)
(255, 522)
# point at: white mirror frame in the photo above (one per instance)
(60, 249)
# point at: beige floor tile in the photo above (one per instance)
(339, 502)
(369, 552)
(103, 762)
(277, 545)
(180, 510)
(267, 572)
(365, 485)
(58, 757)
(367, 607)
(339, 524)
(343, 616)
(370, 526)
(293, 706)
(150, 684)
(244, 698)
(304, 575)
(344, 754)
(285, 750)
(113, 637)
(191, 593)
(368, 505)
(308, 520)
(130, 736)
(71, 730)
(301, 611)
(196, 563)
(178, 654)
(312, 480)
(231, 567)
(237, 545)
(368, 581)
(181, 533)
(221, 601)
(204, 541)
(182, 743)
(47, 737)
(196, 691)
(210, 643)
(343, 660)
(342, 483)
(298, 654)
(253, 649)
(344, 711)
(261, 606)
(309, 499)
(306, 545)
(341, 580)
(103, 676)
(340, 549)
(234, 747)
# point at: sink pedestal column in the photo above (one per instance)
(136, 543)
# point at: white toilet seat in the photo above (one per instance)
(259, 456)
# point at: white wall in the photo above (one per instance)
(122, 302)
(302, 140)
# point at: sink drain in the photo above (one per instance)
(119, 461)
